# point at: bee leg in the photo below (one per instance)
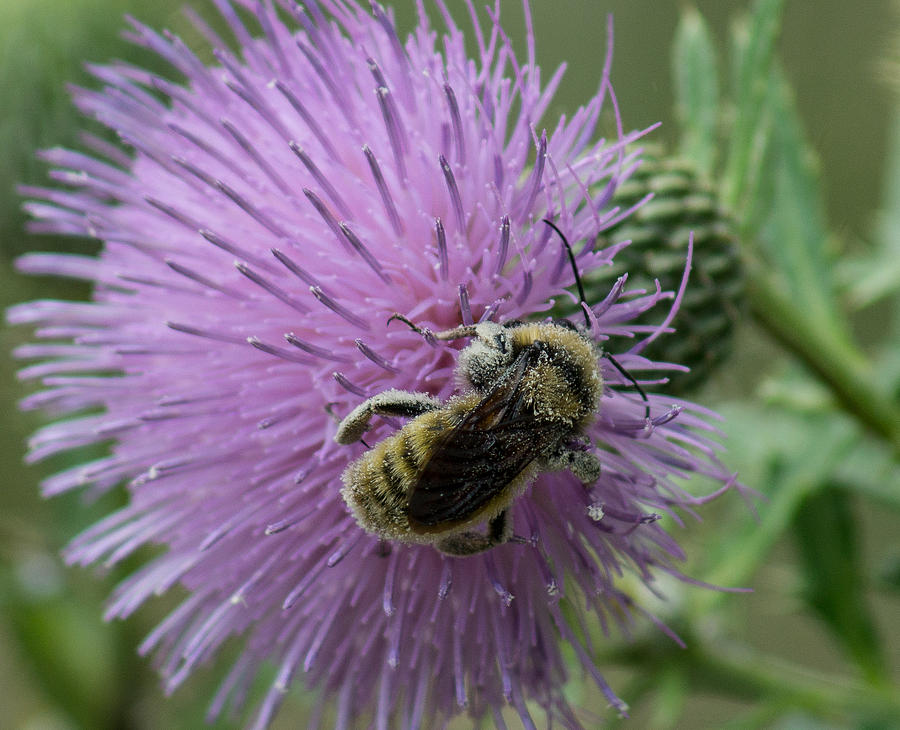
(583, 464)
(466, 330)
(586, 467)
(457, 333)
(392, 402)
(471, 543)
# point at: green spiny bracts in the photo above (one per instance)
(659, 232)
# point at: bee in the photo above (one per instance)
(529, 392)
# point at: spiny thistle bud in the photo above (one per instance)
(659, 231)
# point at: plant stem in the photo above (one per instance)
(837, 362)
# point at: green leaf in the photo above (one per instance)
(825, 534)
(636, 691)
(797, 720)
(671, 694)
(787, 459)
(790, 281)
(695, 72)
(887, 362)
(870, 470)
(869, 467)
(877, 275)
(44, 45)
(795, 232)
(753, 45)
(889, 572)
(764, 714)
(74, 657)
(825, 350)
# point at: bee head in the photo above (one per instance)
(487, 356)
(495, 347)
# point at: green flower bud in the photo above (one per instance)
(659, 231)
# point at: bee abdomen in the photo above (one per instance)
(377, 485)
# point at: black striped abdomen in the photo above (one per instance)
(377, 484)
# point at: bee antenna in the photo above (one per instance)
(630, 378)
(424, 331)
(582, 298)
(398, 316)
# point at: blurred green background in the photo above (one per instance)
(62, 667)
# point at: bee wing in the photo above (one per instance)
(478, 458)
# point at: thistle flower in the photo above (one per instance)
(270, 213)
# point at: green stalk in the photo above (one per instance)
(837, 362)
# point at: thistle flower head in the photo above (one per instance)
(266, 216)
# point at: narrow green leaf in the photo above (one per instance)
(791, 286)
(753, 43)
(825, 533)
(695, 72)
(795, 234)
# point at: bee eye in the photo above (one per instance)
(512, 323)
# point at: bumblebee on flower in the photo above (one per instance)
(273, 211)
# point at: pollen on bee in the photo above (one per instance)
(551, 396)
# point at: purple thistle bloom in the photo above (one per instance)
(273, 211)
